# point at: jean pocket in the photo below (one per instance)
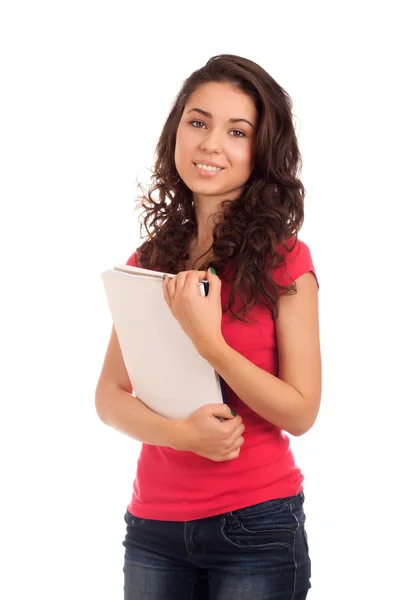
(263, 531)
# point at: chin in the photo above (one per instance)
(206, 190)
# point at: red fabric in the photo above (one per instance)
(182, 486)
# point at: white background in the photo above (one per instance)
(86, 87)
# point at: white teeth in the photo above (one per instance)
(208, 167)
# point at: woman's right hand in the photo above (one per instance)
(203, 433)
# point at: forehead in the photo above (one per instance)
(222, 100)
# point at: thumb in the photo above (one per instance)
(215, 283)
(221, 410)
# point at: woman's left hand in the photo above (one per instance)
(199, 316)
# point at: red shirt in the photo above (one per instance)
(172, 485)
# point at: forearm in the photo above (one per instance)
(270, 397)
(127, 414)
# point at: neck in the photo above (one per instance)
(203, 237)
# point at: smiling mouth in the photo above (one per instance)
(208, 168)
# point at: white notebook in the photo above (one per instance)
(165, 369)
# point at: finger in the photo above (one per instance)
(235, 435)
(236, 431)
(202, 274)
(193, 279)
(219, 410)
(239, 442)
(180, 281)
(165, 291)
(238, 425)
(236, 445)
(214, 290)
(233, 455)
(241, 429)
(231, 429)
(171, 287)
(233, 422)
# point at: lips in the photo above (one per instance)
(206, 171)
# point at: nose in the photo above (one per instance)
(211, 141)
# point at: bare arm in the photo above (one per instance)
(117, 408)
(290, 401)
(200, 432)
(130, 416)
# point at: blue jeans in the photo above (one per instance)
(254, 553)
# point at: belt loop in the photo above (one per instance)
(232, 518)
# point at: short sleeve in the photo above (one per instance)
(297, 262)
(133, 260)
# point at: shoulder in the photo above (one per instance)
(297, 261)
(133, 260)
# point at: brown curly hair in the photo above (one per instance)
(247, 230)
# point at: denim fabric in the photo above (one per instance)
(255, 553)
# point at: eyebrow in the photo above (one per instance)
(209, 116)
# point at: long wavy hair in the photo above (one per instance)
(247, 230)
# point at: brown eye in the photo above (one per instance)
(192, 123)
(238, 131)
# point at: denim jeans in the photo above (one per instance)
(255, 553)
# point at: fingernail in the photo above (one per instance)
(213, 271)
(164, 276)
(233, 413)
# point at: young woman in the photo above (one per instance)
(217, 506)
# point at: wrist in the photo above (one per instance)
(175, 434)
(211, 349)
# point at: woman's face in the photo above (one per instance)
(218, 126)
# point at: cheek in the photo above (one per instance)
(241, 156)
(184, 146)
